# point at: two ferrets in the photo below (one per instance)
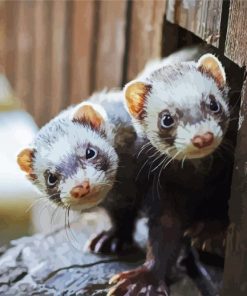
(181, 110)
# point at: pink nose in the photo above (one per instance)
(81, 190)
(203, 140)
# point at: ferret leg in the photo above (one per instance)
(165, 241)
(119, 239)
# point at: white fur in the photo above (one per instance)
(67, 138)
(185, 92)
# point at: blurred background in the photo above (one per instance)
(53, 54)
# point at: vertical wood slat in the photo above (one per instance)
(145, 34)
(235, 272)
(11, 8)
(58, 56)
(42, 60)
(82, 30)
(24, 54)
(2, 35)
(202, 17)
(236, 44)
(110, 44)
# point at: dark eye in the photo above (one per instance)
(214, 106)
(52, 180)
(167, 121)
(91, 153)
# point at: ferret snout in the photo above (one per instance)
(81, 190)
(202, 141)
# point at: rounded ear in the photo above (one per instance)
(135, 93)
(209, 64)
(25, 160)
(89, 114)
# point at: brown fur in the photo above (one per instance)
(135, 98)
(87, 114)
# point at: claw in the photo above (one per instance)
(113, 280)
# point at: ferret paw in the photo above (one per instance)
(209, 236)
(137, 282)
(108, 242)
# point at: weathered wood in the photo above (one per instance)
(59, 44)
(50, 265)
(2, 36)
(11, 9)
(24, 55)
(42, 61)
(110, 44)
(201, 17)
(236, 40)
(55, 263)
(145, 34)
(82, 37)
(235, 272)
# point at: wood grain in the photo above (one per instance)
(2, 36)
(42, 61)
(236, 40)
(82, 34)
(201, 17)
(235, 272)
(110, 44)
(145, 34)
(11, 9)
(24, 55)
(59, 44)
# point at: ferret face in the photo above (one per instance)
(182, 108)
(72, 160)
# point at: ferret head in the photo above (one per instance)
(182, 109)
(72, 160)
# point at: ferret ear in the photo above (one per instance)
(87, 114)
(25, 160)
(135, 93)
(209, 64)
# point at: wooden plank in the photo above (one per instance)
(145, 34)
(24, 54)
(58, 56)
(236, 44)
(110, 44)
(201, 17)
(235, 272)
(82, 31)
(3, 23)
(11, 39)
(42, 61)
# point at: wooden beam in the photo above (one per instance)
(42, 61)
(82, 42)
(110, 44)
(235, 271)
(236, 41)
(59, 55)
(145, 34)
(201, 17)
(11, 10)
(24, 66)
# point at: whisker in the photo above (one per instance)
(182, 165)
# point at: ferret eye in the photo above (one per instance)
(91, 153)
(214, 106)
(52, 180)
(167, 121)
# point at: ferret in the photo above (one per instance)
(84, 157)
(181, 111)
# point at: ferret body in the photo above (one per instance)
(181, 111)
(85, 157)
